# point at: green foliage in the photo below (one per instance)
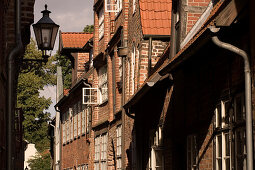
(88, 29)
(65, 63)
(30, 81)
(40, 162)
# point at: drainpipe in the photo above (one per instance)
(149, 56)
(248, 100)
(173, 34)
(11, 86)
(114, 84)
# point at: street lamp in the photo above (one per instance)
(45, 33)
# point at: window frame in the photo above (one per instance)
(100, 157)
(112, 6)
(101, 23)
(102, 84)
(118, 147)
(230, 134)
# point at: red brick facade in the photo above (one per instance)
(7, 43)
(168, 110)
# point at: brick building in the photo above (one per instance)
(159, 105)
(76, 117)
(191, 110)
(127, 45)
(14, 36)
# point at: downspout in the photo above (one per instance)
(11, 78)
(123, 110)
(123, 60)
(173, 33)
(248, 99)
(114, 84)
(149, 56)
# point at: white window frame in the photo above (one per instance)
(87, 119)
(97, 152)
(90, 95)
(133, 62)
(64, 129)
(134, 6)
(119, 2)
(111, 5)
(103, 84)
(83, 121)
(156, 148)
(75, 121)
(191, 152)
(100, 159)
(79, 118)
(118, 146)
(101, 23)
(71, 123)
(221, 140)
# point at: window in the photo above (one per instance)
(229, 124)
(71, 123)
(156, 155)
(222, 142)
(191, 152)
(132, 88)
(101, 152)
(134, 5)
(91, 58)
(89, 95)
(85, 167)
(102, 85)
(83, 120)
(75, 121)
(101, 22)
(79, 118)
(104, 151)
(67, 127)
(97, 153)
(119, 4)
(112, 5)
(87, 119)
(64, 128)
(118, 132)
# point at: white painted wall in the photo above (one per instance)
(30, 152)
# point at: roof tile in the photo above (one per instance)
(75, 39)
(156, 16)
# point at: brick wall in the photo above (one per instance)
(190, 12)
(7, 43)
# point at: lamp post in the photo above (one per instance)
(45, 33)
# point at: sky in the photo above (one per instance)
(71, 16)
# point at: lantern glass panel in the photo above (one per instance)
(46, 37)
(54, 35)
(38, 36)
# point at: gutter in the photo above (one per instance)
(248, 99)
(11, 86)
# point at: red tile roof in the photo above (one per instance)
(75, 39)
(156, 16)
(66, 92)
